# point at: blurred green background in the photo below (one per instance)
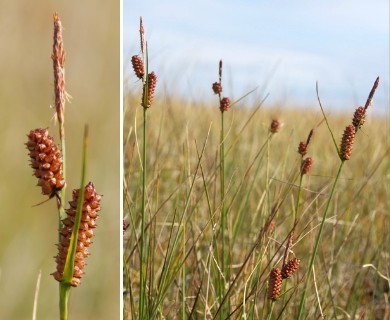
(29, 234)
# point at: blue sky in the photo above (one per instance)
(281, 47)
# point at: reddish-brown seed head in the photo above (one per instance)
(347, 142)
(152, 82)
(274, 284)
(290, 267)
(306, 165)
(224, 104)
(275, 126)
(138, 66)
(359, 118)
(217, 88)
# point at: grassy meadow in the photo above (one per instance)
(191, 271)
(29, 233)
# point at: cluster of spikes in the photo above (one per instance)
(359, 117)
(277, 276)
(90, 209)
(224, 102)
(149, 80)
(303, 148)
(46, 161)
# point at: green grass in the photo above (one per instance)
(184, 211)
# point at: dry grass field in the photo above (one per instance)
(184, 270)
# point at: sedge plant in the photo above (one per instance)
(77, 223)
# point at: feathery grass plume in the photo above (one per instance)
(91, 207)
(224, 104)
(151, 85)
(58, 58)
(290, 267)
(138, 66)
(275, 126)
(306, 165)
(274, 284)
(46, 161)
(347, 142)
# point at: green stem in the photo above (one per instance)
(64, 298)
(317, 243)
(142, 282)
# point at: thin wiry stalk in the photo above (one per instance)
(317, 243)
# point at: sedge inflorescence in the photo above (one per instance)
(347, 142)
(275, 284)
(91, 207)
(46, 160)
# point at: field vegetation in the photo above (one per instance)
(209, 254)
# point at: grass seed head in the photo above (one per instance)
(347, 142)
(302, 148)
(224, 104)
(91, 207)
(46, 161)
(274, 284)
(275, 126)
(290, 267)
(217, 87)
(306, 165)
(152, 82)
(359, 118)
(138, 66)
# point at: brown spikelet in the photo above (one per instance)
(290, 267)
(58, 58)
(275, 126)
(217, 87)
(302, 148)
(359, 118)
(371, 94)
(274, 284)
(138, 66)
(152, 81)
(224, 104)
(306, 165)
(91, 207)
(347, 142)
(46, 161)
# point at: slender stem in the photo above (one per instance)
(271, 310)
(142, 282)
(317, 243)
(64, 298)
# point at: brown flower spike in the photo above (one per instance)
(217, 87)
(58, 58)
(46, 161)
(359, 118)
(274, 284)
(91, 207)
(138, 66)
(290, 267)
(275, 126)
(306, 165)
(152, 81)
(224, 104)
(347, 142)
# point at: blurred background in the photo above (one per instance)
(280, 47)
(28, 234)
